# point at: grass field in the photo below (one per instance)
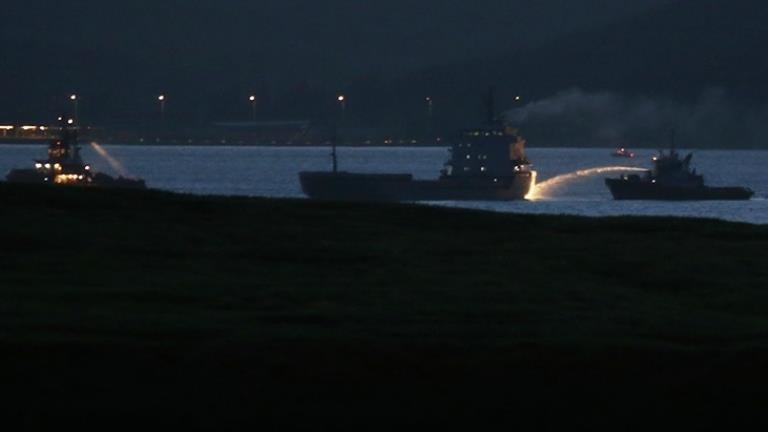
(130, 308)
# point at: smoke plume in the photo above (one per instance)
(578, 118)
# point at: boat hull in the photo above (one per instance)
(343, 186)
(28, 176)
(622, 189)
(31, 176)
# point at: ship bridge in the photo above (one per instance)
(490, 151)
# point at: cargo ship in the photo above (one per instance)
(486, 164)
(672, 178)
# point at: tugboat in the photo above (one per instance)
(64, 166)
(622, 152)
(671, 179)
(486, 164)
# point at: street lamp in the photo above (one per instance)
(430, 110)
(343, 104)
(73, 98)
(252, 98)
(161, 99)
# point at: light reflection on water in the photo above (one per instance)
(272, 172)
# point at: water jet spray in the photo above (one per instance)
(114, 163)
(543, 189)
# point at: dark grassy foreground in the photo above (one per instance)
(129, 309)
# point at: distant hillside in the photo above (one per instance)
(387, 58)
(676, 52)
(209, 56)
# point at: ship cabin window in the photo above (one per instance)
(482, 168)
(469, 156)
(466, 169)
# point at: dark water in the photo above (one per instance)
(269, 171)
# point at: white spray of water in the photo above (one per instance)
(114, 163)
(544, 189)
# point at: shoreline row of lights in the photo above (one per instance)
(252, 98)
(162, 98)
(24, 127)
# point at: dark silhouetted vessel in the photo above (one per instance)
(486, 164)
(623, 152)
(64, 166)
(671, 179)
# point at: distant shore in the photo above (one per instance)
(226, 143)
(127, 307)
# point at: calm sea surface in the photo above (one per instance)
(272, 172)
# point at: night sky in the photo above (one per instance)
(208, 56)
